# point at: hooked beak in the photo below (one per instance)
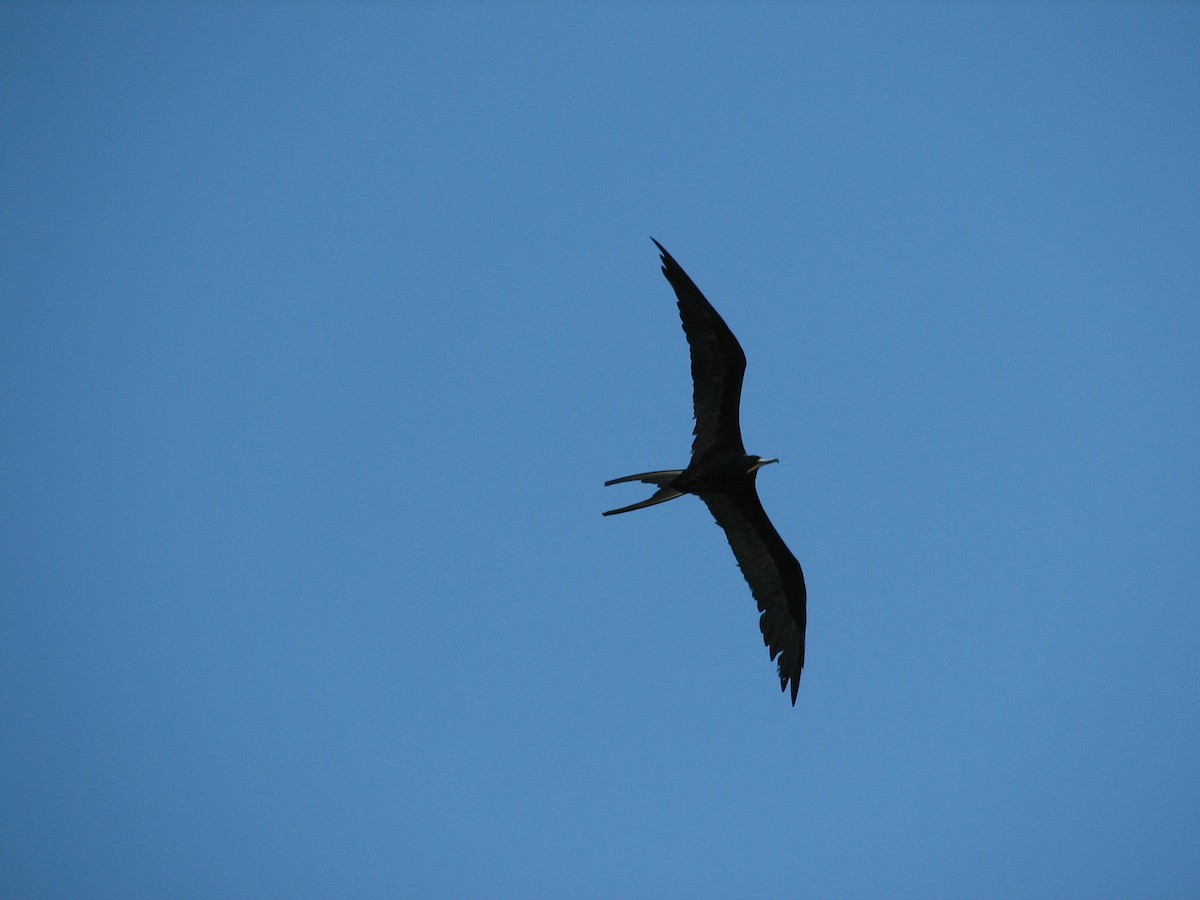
(762, 462)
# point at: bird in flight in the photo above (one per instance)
(722, 474)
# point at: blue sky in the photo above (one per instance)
(323, 325)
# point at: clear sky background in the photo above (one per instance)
(322, 326)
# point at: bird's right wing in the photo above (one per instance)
(775, 577)
(718, 365)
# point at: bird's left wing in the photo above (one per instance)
(775, 577)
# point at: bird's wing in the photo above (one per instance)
(775, 578)
(718, 365)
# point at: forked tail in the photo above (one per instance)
(662, 495)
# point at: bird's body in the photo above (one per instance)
(722, 474)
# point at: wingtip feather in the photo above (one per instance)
(667, 258)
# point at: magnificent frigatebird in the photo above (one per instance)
(722, 473)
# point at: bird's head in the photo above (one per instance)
(754, 463)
